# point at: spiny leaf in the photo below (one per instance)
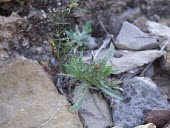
(109, 54)
(78, 37)
(67, 32)
(87, 28)
(110, 91)
(115, 71)
(79, 103)
(112, 83)
(79, 88)
(107, 71)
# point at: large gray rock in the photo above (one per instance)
(29, 99)
(130, 59)
(141, 95)
(95, 111)
(132, 38)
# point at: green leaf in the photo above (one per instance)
(87, 28)
(110, 91)
(79, 103)
(67, 33)
(77, 29)
(80, 37)
(112, 83)
(109, 54)
(107, 71)
(79, 88)
(115, 71)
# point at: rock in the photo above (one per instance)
(158, 29)
(141, 95)
(25, 36)
(118, 54)
(92, 43)
(115, 22)
(95, 111)
(130, 14)
(117, 127)
(4, 54)
(39, 50)
(130, 59)
(111, 13)
(158, 117)
(150, 72)
(167, 125)
(8, 35)
(140, 22)
(149, 125)
(39, 14)
(25, 42)
(29, 99)
(132, 38)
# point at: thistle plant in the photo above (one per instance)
(93, 74)
(78, 38)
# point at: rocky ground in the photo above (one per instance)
(29, 90)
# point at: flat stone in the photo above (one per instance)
(29, 99)
(141, 95)
(132, 38)
(95, 111)
(130, 59)
(158, 29)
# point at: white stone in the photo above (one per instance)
(149, 125)
(158, 29)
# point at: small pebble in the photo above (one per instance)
(117, 55)
(158, 117)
